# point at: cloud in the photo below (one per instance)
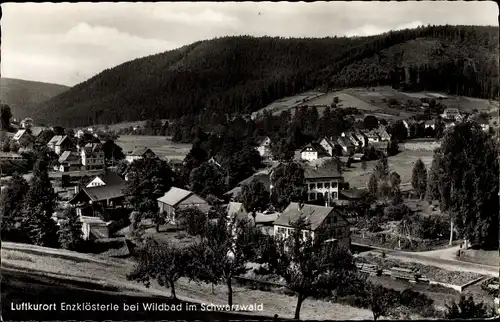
(208, 17)
(371, 30)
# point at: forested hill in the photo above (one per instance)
(243, 74)
(23, 96)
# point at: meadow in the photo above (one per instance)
(160, 145)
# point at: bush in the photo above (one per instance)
(192, 220)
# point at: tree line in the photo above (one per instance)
(244, 74)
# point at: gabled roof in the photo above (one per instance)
(37, 130)
(372, 134)
(315, 215)
(260, 140)
(62, 139)
(345, 142)
(174, 196)
(140, 151)
(324, 171)
(111, 179)
(68, 156)
(55, 139)
(315, 146)
(100, 193)
(329, 141)
(19, 134)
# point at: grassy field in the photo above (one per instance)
(402, 163)
(81, 273)
(158, 144)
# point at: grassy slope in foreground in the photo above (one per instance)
(32, 273)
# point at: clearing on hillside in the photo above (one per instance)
(158, 144)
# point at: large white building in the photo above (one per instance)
(323, 182)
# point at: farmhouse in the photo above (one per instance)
(68, 161)
(107, 179)
(312, 151)
(323, 183)
(330, 146)
(347, 146)
(384, 135)
(60, 143)
(27, 123)
(264, 147)
(98, 201)
(372, 136)
(237, 211)
(92, 156)
(353, 138)
(176, 199)
(361, 138)
(140, 153)
(322, 220)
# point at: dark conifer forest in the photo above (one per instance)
(242, 74)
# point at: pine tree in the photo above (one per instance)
(39, 207)
(373, 185)
(70, 232)
(419, 178)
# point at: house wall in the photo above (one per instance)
(96, 183)
(284, 232)
(328, 148)
(337, 228)
(132, 158)
(319, 186)
(92, 161)
(373, 139)
(309, 155)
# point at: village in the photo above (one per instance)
(270, 161)
(94, 187)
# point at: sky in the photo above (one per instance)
(67, 43)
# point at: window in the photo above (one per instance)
(312, 186)
(320, 185)
(334, 184)
(312, 196)
(327, 185)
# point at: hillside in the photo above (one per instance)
(24, 96)
(45, 275)
(243, 74)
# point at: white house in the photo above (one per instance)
(330, 146)
(312, 151)
(321, 219)
(323, 182)
(79, 134)
(92, 156)
(264, 147)
(140, 153)
(372, 136)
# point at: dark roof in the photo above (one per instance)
(344, 141)
(316, 146)
(313, 214)
(104, 192)
(68, 156)
(111, 178)
(329, 141)
(140, 151)
(352, 193)
(325, 171)
(62, 139)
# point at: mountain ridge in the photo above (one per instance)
(23, 95)
(242, 73)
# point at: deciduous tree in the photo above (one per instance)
(288, 184)
(311, 266)
(254, 196)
